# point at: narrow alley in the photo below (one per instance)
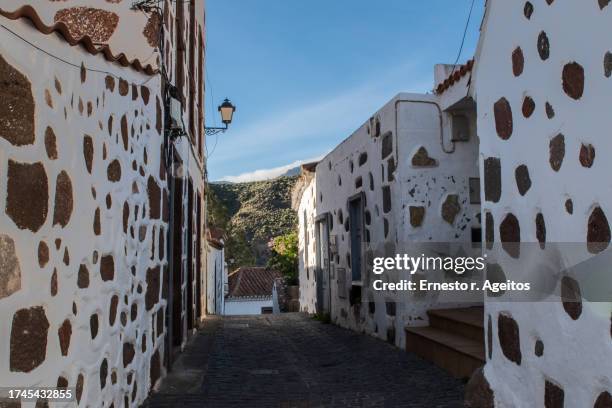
(292, 360)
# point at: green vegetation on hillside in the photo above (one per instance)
(251, 214)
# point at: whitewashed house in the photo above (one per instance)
(409, 175)
(100, 282)
(544, 90)
(252, 291)
(216, 272)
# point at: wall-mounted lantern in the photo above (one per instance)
(227, 113)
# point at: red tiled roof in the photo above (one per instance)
(29, 13)
(458, 73)
(252, 282)
(215, 237)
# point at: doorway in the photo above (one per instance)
(323, 264)
(356, 231)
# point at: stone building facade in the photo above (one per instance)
(100, 211)
(544, 88)
(407, 176)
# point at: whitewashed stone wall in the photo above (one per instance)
(84, 204)
(544, 90)
(306, 245)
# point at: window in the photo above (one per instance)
(474, 190)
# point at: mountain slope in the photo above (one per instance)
(251, 214)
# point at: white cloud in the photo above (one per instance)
(267, 174)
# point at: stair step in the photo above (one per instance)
(456, 354)
(467, 322)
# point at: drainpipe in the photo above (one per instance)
(397, 103)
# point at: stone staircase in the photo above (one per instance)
(454, 340)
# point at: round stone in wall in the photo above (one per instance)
(556, 151)
(543, 46)
(573, 80)
(509, 338)
(503, 118)
(598, 231)
(28, 348)
(27, 195)
(510, 235)
(518, 61)
(523, 180)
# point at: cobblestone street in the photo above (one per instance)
(291, 360)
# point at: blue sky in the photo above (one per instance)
(305, 74)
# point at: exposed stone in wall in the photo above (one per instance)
(50, 144)
(571, 297)
(509, 339)
(523, 181)
(93, 325)
(604, 400)
(145, 94)
(603, 3)
(386, 192)
(158, 116)
(557, 151)
(97, 227)
(88, 152)
(421, 159)
(27, 195)
(10, 272)
(503, 118)
(17, 107)
(598, 231)
(103, 373)
(569, 206)
(450, 208)
(587, 155)
(128, 353)
(540, 229)
(608, 64)
(152, 29)
(539, 348)
(573, 80)
(98, 24)
(387, 145)
(43, 254)
(154, 194)
(478, 393)
(63, 199)
(543, 46)
(489, 230)
(554, 395)
(550, 112)
(114, 171)
(107, 268)
(528, 106)
(64, 333)
(495, 274)
(518, 61)
(510, 235)
(417, 214)
(492, 179)
(528, 10)
(83, 277)
(152, 294)
(28, 347)
(124, 87)
(124, 132)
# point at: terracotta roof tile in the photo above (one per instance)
(252, 282)
(29, 13)
(459, 72)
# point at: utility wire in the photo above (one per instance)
(66, 61)
(467, 23)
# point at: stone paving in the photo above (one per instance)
(291, 360)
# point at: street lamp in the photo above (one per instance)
(227, 113)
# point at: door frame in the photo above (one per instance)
(361, 197)
(326, 269)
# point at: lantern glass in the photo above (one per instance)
(227, 111)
